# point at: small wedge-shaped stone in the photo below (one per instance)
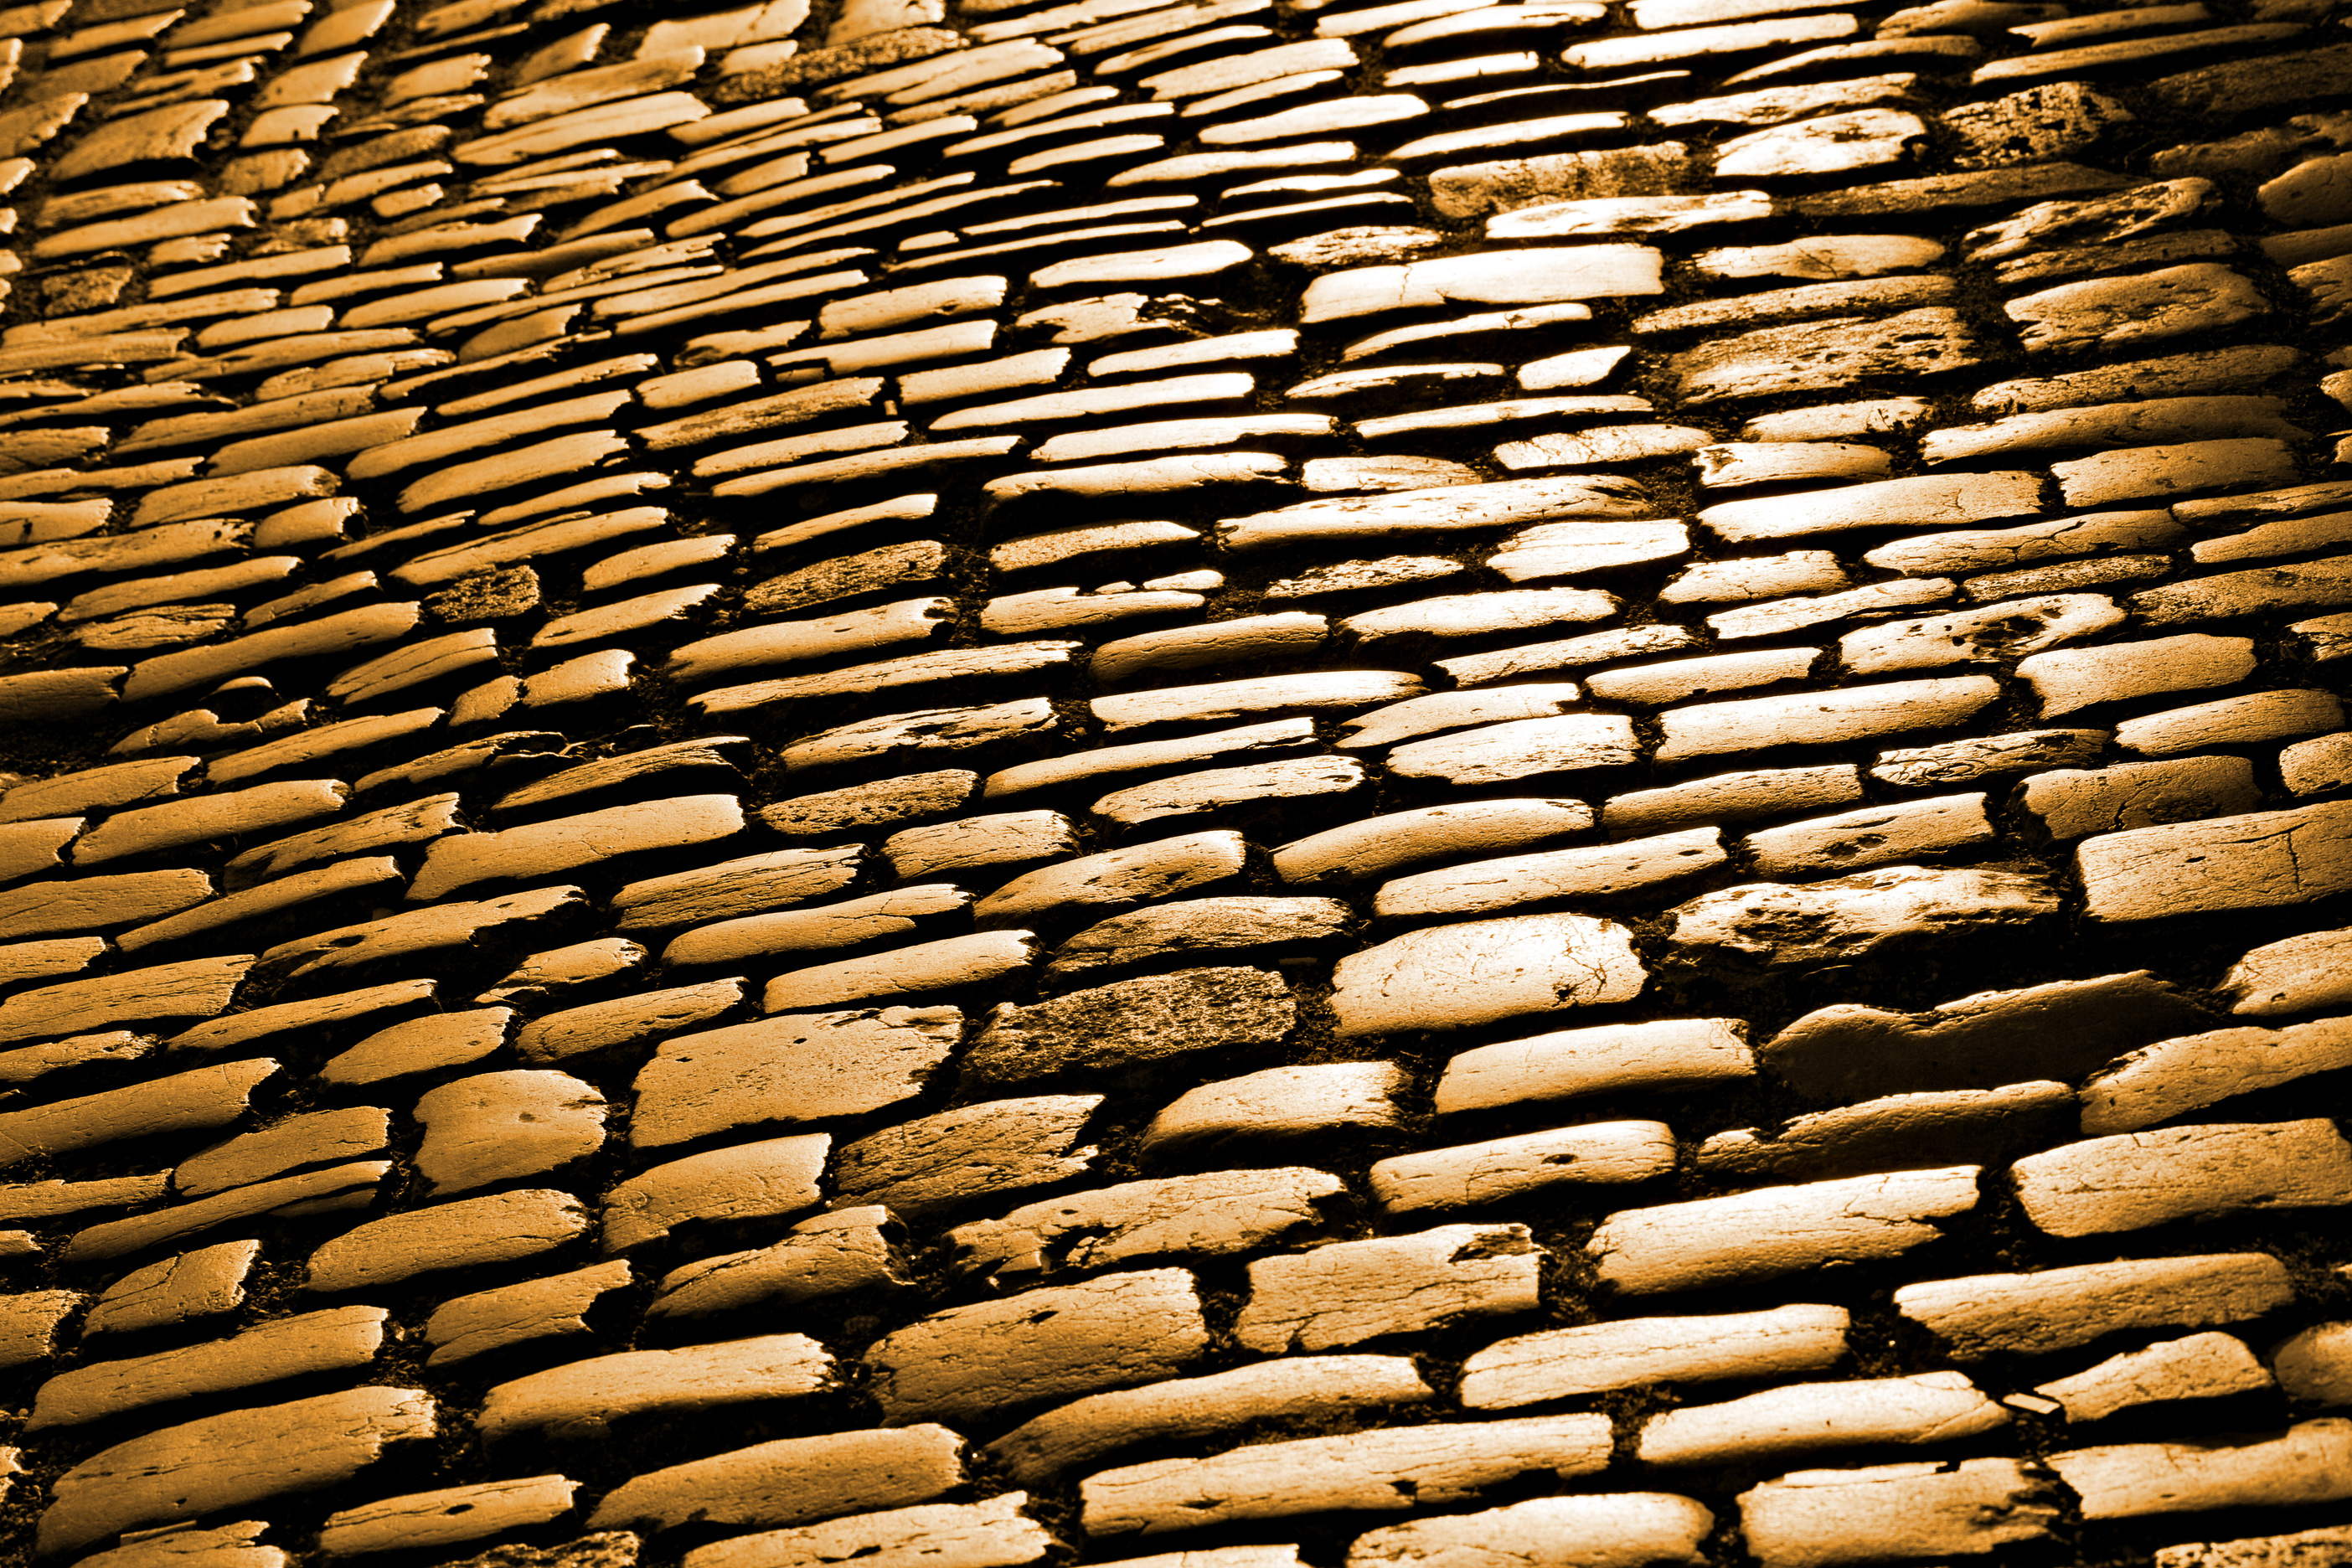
(1826, 1518)
(2057, 1309)
(1773, 924)
(1482, 971)
(544, 848)
(1388, 1471)
(187, 1287)
(970, 1363)
(1220, 1213)
(581, 1399)
(1356, 1291)
(1927, 1407)
(469, 1234)
(1778, 1230)
(230, 1461)
(2134, 1179)
(1187, 1409)
(337, 1340)
(2298, 975)
(791, 1481)
(2308, 1463)
(1559, 1364)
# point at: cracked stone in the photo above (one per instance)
(2298, 975)
(1474, 1175)
(2305, 1464)
(1353, 1291)
(1595, 1357)
(554, 1307)
(1483, 972)
(2201, 1366)
(1133, 1020)
(2133, 1180)
(770, 1179)
(2058, 1309)
(2257, 861)
(1625, 1530)
(958, 1157)
(1775, 923)
(1825, 1518)
(2072, 803)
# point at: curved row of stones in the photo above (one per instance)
(1300, 784)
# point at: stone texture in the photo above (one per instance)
(792, 1067)
(2133, 1179)
(771, 1178)
(1667, 1054)
(2056, 1308)
(1778, 1231)
(1774, 924)
(1133, 1021)
(2298, 975)
(1474, 1175)
(2305, 1464)
(1817, 1518)
(2201, 1366)
(1353, 1291)
(1480, 971)
(2175, 1077)
(580, 1400)
(958, 1157)
(791, 1481)
(1621, 1529)
(2252, 862)
(1560, 1364)
(505, 1126)
(1923, 1408)
(1215, 1214)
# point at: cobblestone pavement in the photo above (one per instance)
(1254, 783)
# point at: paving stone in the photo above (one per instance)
(2113, 313)
(580, 1400)
(1562, 1363)
(1482, 971)
(2201, 1366)
(1931, 498)
(2136, 1179)
(1908, 831)
(1597, 872)
(2066, 1030)
(872, 804)
(791, 1481)
(1313, 690)
(1353, 1291)
(230, 1546)
(568, 842)
(836, 1254)
(2250, 718)
(505, 1126)
(1990, 756)
(2301, 1549)
(1925, 1407)
(193, 988)
(852, 922)
(2252, 862)
(2302, 1465)
(339, 1340)
(1086, 1430)
(1815, 1519)
(1663, 1055)
(1382, 1472)
(308, 1138)
(1279, 1104)
(469, 1234)
(95, 789)
(1899, 1130)
(206, 1466)
(1613, 1530)
(1133, 1020)
(2312, 1365)
(196, 1101)
(990, 1535)
(188, 1287)
(2298, 975)
(1853, 917)
(29, 1324)
(1115, 876)
(337, 1187)
(1209, 1215)
(1824, 355)
(903, 971)
(2229, 593)
(2072, 803)
(771, 1178)
(1391, 517)
(1994, 633)
(452, 1516)
(147, 830)
(554, 1307)
(970, 1362)
(1732, 797)
(922, 1167)
(431, 1044)
(2058, 1309)
(1405, 838)
(1778, 1231)
(1474, 1175)
(840, 1064)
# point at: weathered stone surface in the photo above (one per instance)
(1990, 756)
(1773, 924)
(339, 1186)
(2173, 1078)
(1822, 717)
(29, 1324)
(1667, 1054)
(2301, 1549)
(1820, 357)
(192, 1286)
(2308, 1463)
(1946, 499)
(2065, 1030)
(1778, 1231)
(1523, 748)
(1988, 634)
(1733, 797)
(2201, 1366)
(1215, 1214)
(2253, 861)
(2073, 804)
(1899, 1131)
(434, 1043)
(1912, 830)
(2134, 1179)
(925, 967)
(229, 1461)
(1404, 837)
(193, 988)
(1143, 873)
(1593, 872)
(1353, 1291)
(1482, 971)
(1621, 1529)
(605, 1026)
(1133, 1020)
(2298, 975)
(582, 1399)
(793, 1068)
(547, 847)
(972, 1364)
(2118, 312)
(825, 1255)
(1323, 1100)
(2057, 1309)
(1476, 1175)
(791, 1481)
(771, 1178)
(338, 1339)
(503, 1126)
(207, 1097)
(452, 1516)
(958, 1157)
(990, 1534)
(1925, 1407)
(1185, 1409)
(468, 1326)
(470, 1232)
(1559, 1364)
(1820, 1518)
